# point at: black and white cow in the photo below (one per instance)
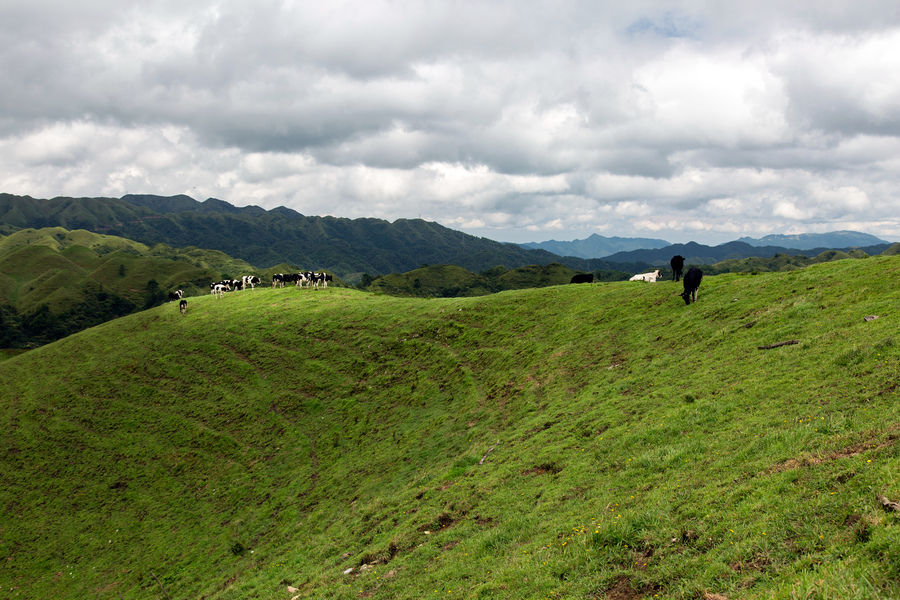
(322, 278)
(691, 283)
(677, 264)
(219, 290)
(250, 280)
(176, 295)
(182, 306)
(278, 280)
(583, 278)
(303, 279)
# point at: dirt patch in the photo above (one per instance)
(544, 469)
(443, 522)
(868, 445)
(623, 590)
(758, 563)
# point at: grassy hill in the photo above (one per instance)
(54, 282)
(574, 441)
(450, 281)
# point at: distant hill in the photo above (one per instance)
(450, 281)
(347, 247)
(55, 282)
(596, 246)
(701, 254)
(811, 241)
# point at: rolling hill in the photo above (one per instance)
(600, 441)
(54, 282)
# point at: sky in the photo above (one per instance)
(518, 121)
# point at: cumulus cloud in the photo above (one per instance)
(513, 120)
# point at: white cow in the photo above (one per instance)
(651, 277)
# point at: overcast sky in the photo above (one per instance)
(702, 120)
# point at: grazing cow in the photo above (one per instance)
(652, 277)
(677, 264)
(182, 306)
(176, 295)
(583, 278)
(691, 283)
(250, 280)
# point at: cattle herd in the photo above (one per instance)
(691, 279)
(305, 279)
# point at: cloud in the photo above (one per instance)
(507, 119)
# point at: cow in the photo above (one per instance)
(302, 278)
(583, 278)
(278, 280)
(322, 278)
(176, 295)
(677, 264)
(652, 277)
(226, 282)
(182, 306)
(691, 283)
(219, 290)
(250, 280)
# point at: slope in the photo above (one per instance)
(565, 442)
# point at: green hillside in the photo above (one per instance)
(346, 247)
(54, 282)
(574, 441)
(450, 281)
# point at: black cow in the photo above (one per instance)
(183, 307)
(677, 264)
(583, 278)
(176, 295)
(691, 284)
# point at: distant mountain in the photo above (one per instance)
(596, 246)
(700, 254)
(346, 247)
(810, 241)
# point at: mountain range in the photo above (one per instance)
(351, 247)
(598, 246)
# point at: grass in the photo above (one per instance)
(576, 441)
